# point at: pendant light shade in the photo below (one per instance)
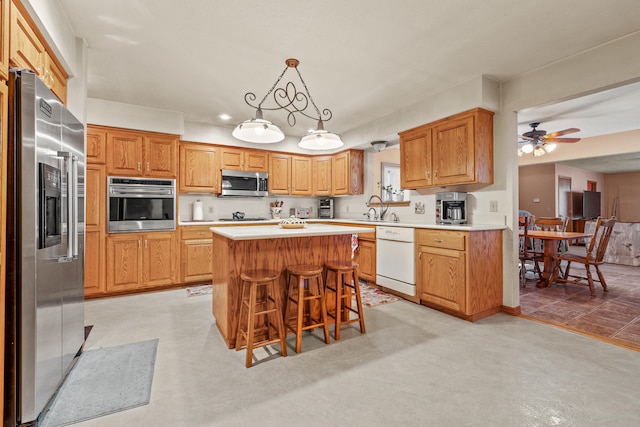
(320, 139)
(258, 130)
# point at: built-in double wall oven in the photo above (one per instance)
(140, 204)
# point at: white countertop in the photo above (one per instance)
(461, 227)
(274, 231)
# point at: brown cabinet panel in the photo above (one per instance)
(94, 263)
(199, 169)
(453, 141)
(279, 173)
(197, 258)
(159, 259)
(160, 156)
(301, 176)
(443, 273)
(231, 158)
(124, 153)
(321, 175)
(367, 260)
(26, 49)
(415, 157)
(5, 10)
(96, 145)
(95, 197)
(347, 173)
(55, 78)
(256, 161)
(124, 262)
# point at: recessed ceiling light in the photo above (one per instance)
(224, 116)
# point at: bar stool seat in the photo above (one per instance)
(269, 307)
(341, 278)
(304, 285)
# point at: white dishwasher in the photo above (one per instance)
(395, 259)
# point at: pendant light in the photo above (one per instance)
(287, 98)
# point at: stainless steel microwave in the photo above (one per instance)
(244, 184)
(140, 204)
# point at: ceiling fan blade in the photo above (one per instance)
(526, 137)
(561, 139)
(561, 132)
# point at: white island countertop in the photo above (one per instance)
(275, 232)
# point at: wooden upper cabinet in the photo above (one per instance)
(55, 78)
(96, 145)
(124, 153)
(26, 49)
(5, 8)
(454, 150)
(301, 176)
(347, 173)
(279, 173)
(133, 153)
(415, 157)
(160, 156)
(321, 166)
(199, 170)
(242, 159)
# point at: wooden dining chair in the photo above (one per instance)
(547, 224)
(525, 250)
(594, 256)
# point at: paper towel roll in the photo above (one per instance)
(197, 211)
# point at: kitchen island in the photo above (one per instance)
(240, 248)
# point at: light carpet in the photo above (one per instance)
(102, 382)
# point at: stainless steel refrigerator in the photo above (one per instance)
(45, 246)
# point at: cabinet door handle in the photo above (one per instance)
(437, 240)
(139, 244)
(145, 244)
(139, 166)
(148, 166)
(201, 233)
(420, 256)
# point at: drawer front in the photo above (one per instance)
(442, 239)
(195, 232)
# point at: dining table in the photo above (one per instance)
(551, 240)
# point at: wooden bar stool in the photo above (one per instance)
(338, 279)
(269, 307)
(304, 285)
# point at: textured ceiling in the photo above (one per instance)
(361, 59)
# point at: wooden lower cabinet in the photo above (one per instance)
(460, 272)
(140, 260)
(196, 254)
(94, 265)
(367, 260)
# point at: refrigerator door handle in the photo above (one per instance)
(74, 201)
(68, 158)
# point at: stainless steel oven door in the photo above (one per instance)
(141, 204)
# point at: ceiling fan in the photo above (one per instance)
(540, 142)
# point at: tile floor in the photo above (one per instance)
(414, 367)
(612, 315)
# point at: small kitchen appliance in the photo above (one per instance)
(451, 208)
(303, 213)
(325, 208)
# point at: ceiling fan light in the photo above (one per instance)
(520, 152)
(550, 147)
(539, 151)
(320, 139)
(527, 148)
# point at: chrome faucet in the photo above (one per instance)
(383, 208)
(394, 217)
(368, 214)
